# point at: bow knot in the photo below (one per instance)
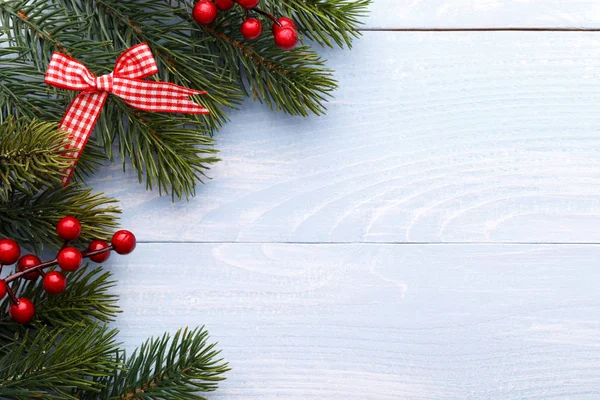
(125, 81)
(104, 83)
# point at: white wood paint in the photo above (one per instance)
(375, 322)
(489, 14)
(432, 136)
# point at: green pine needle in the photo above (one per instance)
(176, 368)
(31, 219)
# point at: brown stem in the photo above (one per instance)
(12, 296)
(258, 59)
(268, 15)
(47, 264)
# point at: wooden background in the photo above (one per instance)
(435, 236)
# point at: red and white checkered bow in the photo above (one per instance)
(125, 82)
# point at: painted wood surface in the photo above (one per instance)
(295, 255)
(486, 14)
(378, 321)
(432, 137)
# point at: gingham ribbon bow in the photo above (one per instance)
(125, 82)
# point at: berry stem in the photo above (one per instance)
(47, 264)
(268, 15)
(11, 294)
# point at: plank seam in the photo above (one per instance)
(381, 243)
(498, 29)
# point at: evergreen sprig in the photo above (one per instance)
(31, 156)
(176, 368)
(30, 219)
(217, 59)
(88, 300)
(329, 23)
(68, 352)
(50, 363)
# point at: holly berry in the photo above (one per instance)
(283, 22)
(3, 289)
(251, 28)
(248, 3)
(224, 5)
(96, 245)
(23, 311)
(68, 228)
(286, 38)
(205, 12)
(26, 262)
(55, 282)
(123, 242)
(69, 259)
(9, 251)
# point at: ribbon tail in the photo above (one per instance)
(157, 96)
(79, 121)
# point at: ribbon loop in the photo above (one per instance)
(125, 82)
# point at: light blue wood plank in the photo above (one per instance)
(378, 321)
(440, 14)
(437, 136)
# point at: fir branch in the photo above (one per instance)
(169, 369)
(30, 219)
(51, 363)
(214, 59)
(22, 100)
(326, 22)
(295, 81)
(163, 154)
(87, 300)
(31, 156)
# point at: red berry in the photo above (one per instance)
(123, 242)
(286, 38)
(55, 282)
(68, 228)
(69, 259)
(9, 251)
(26, 262)
(284, 21)
(205, 12)
(23, 311)
(224, 5)
(248, 3)
(96, 245)
(3, 289)
(251, 28)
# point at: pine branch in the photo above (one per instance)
(169, 369)
(216, 59)
(162, 153)
(30, 156)
(295, 81)
(326, 22)
(66, 354)
(52, 363)
(88, 300)
(31, 219)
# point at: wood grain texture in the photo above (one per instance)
(378, 321)
(432, 136)
(488, 14)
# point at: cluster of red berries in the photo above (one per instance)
(30, 267)
(284, 29)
